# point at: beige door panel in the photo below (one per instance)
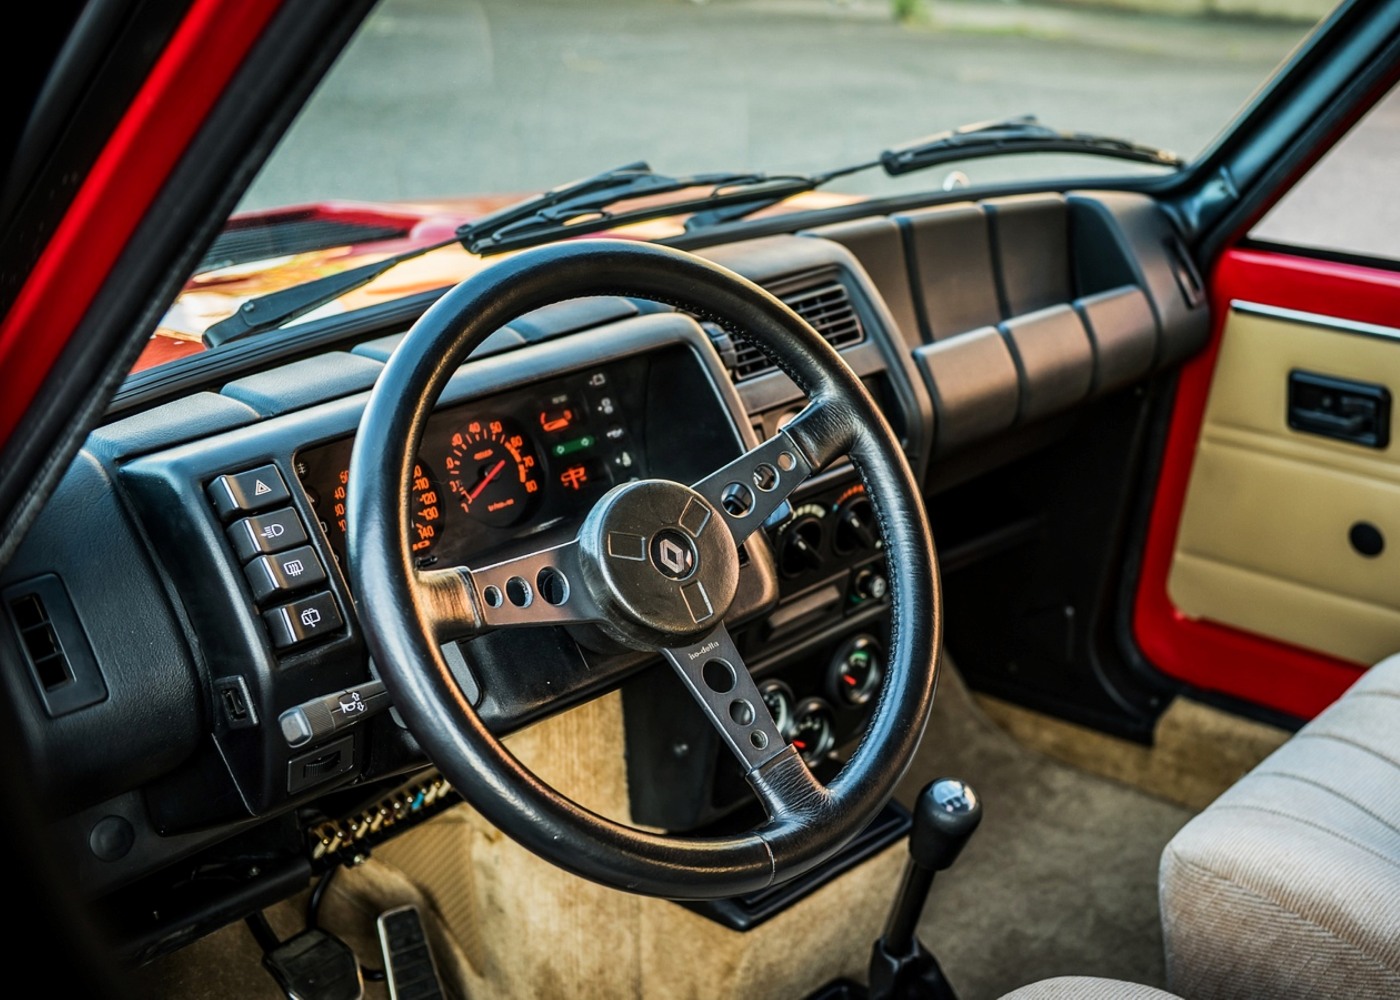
(1263, 541)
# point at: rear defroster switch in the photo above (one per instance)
(284, 572)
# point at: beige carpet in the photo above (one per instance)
(1061, 878)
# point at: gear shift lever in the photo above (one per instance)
(945, 816)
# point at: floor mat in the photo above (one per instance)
(1061, 877)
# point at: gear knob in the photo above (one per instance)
(945, 816)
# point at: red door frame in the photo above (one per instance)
(186, 80)
(1215, 657)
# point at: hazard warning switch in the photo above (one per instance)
(244, 492)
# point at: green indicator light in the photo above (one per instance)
(569, 447)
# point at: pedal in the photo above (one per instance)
(315, 965)
(409, 968)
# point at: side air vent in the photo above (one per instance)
(826, 306)
(40, 641)
(54, 646)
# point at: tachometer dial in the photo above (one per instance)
(493, 472)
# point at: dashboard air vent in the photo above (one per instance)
(826, 306)
(41, 643)
(53, 644)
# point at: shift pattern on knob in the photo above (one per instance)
(954, 796)
(945, 817)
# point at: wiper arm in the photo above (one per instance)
(969, 142)
(268, 312)
(589, 205)
(1015, 135)
(583, 206)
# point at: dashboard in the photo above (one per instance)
(222, 513)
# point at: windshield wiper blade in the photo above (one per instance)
(589, 205)
(276, 309)
(1024, 134)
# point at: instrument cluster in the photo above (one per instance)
(501, 467)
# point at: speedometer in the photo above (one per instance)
(493, 472)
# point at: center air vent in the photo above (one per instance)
(826, 306)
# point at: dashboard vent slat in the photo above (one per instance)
(53, 645)
(827, 307)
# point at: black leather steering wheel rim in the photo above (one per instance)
(808, 822)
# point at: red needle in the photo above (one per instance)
(495, 471)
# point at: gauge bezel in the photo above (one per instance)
(862, 694)
(811, 706)
(789, 700)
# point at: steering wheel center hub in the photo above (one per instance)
(660, 562)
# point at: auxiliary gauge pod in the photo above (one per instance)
(945, 816)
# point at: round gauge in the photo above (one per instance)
(427, 512)
(813, 730)
(856, 671)
(778, 697)
(492, 471)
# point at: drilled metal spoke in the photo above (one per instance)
(539, 588)
(714, 673)
(749, 489)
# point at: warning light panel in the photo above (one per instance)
(574, 477)
(556, 418)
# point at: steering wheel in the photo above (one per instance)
(655, 565)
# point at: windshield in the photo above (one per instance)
(438, 113)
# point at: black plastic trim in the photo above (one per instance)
(744, 913)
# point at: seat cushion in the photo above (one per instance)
(1084, 988)
(1289, 884)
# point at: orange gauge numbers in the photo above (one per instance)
(338, 499)
(493, 472)
(427, 511)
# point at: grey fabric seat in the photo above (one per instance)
(1085, 988)
(1288, 885)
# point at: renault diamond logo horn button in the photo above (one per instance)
(673, 554)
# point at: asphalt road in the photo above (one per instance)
(439, 98)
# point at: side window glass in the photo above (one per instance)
(1348, 203)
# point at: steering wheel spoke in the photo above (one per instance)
(749, 489)
(544, 587)
(714, 673)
